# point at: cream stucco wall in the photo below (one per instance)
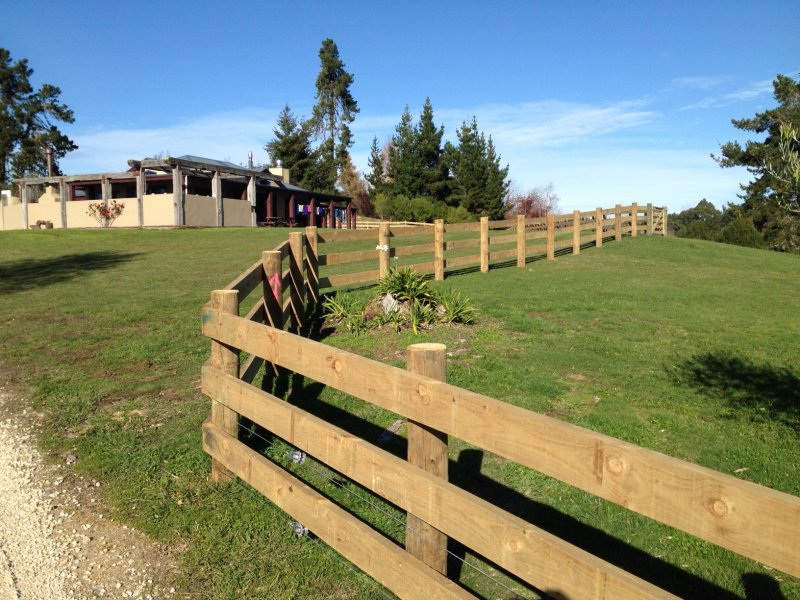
(77, 217)
(129, 216)
(237, 213)
(158, 210)
(200, 211)
(43, 211)
(11, 217)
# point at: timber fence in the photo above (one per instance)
(362, 257)
(754, 521)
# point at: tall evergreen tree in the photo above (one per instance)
(497, 183)
(433, 179)
(404, 166)
(27, 122)
(770, 199)
(292, 146)
(757, 157)
(377, 175)
(479, 183)
(335, 110)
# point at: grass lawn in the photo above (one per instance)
(685, 347)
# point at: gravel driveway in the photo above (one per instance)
(57, 539)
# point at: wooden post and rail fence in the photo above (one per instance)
(438, 249)
(754, 521)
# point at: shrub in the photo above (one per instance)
(345, 309)
(453, 307)
(405, 284)
(742, 232)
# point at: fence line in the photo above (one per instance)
(495, 242)
(749, 519)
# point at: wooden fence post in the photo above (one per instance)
(576, 232)
(297, 293)
(649, 219)
(62, 197)
(141, 190)
(634, 219)
(438, 249)
(25, 193)
(312, 264)
(273, 287)
(384, 235)
(664, 221)
(618, 222)
(598, 227)
(427, 449)
(520, 240)
(227, 360)
(551, 236)
(484, 244)
(216, 191)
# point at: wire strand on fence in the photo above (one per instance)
(321, 471)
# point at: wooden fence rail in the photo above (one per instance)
(749, 519)
(495, 243)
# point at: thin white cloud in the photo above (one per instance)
(754, 90)
(699, 83)
(224, 136)
(529, 124)
(750, 92)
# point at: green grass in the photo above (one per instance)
(685, 347)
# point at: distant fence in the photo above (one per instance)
(440, 248)
(754, 521)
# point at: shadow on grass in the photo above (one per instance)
(26, 274)
(769, 392)
(466, 473)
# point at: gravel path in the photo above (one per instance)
(56, 538)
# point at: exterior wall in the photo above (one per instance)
(158, 210)
(129, 216)
(200, 211)
(236, 213)
(77, 217)
(41, 211)
(12, 217)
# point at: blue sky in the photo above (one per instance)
(607, 101)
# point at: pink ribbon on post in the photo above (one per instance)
(275, 284)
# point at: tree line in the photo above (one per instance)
(416, 175)
(413, 176)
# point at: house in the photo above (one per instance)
(179, 191)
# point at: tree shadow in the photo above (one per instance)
(767, 391)
(21, 275)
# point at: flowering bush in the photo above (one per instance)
(105, 214)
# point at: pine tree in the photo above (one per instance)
(376, 177)
(292, 146)
(403, 169)
(497, 183)
(27, 119)
(758, 157)
(468, 167)
(335, 110)
(433, 179)
(479, 183)
(771, 199)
